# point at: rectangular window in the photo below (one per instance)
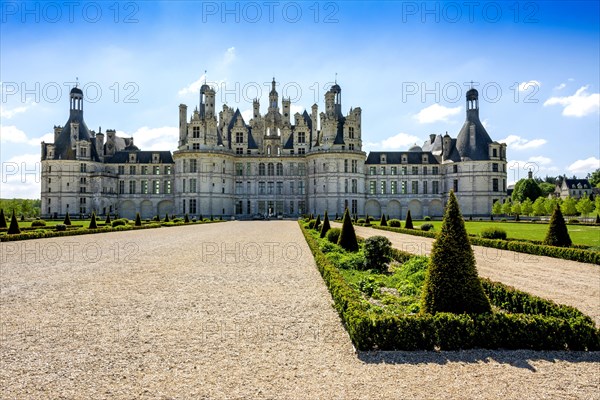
(345, 185)
(131, 187)
(383, 187)
(121, 187)
(156, 187)
(167, 170)
(144, 187)
(195, 146)
(435, 187)
(239, 150)
(301, 137)
(195, 132)
(351, 132)
(495, 185)
(82, 167)
(404, 187)
(394, 170)
(394, 187)
(404, 170)
(354, 207)
(301, 150)
(156, 170)
(382, 170)
(261, 188)
(193, 165)
(270, 187)
(372, 187)
(354, 186)
(291, 187)
(144, 170)
(425, 187)
(455, 168)
(132, 169)
(239, 169)
(279, 188)
(372, 170)
(415, 187)
(435, 170)
(495, 167)
(167, 187)
(238, 188)
(291, 206)
(504, 185)
(248, 168)
(301, 188)
(121, 169)
(302, 169)
(345, 165)
(239, 137)
(354, 166)
(351, 146)
(455, 185)
(415, 170)
(193, 185)
(424, 170)
(193, 206)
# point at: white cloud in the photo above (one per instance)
(193, 87)
(561, 86)
(584, 166)
(397, 142)
(540, 160)
(12, 134)
(229, 56)
(165, 138)
(523, 86)
(578, 105)
(8, 114)
(247, 115)
(518, 143)
(435, 113)
(21, 177)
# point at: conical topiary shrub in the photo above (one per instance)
(367, 219)
(138, 219)
(557, 234)
(2, 219)
(326, 225)
(451, 282)
(93, 224)
(107, 221)
(14, 229)
(186, 219)
(382, 221)
(597, 219)
(347, 238)
(317, 222)
(166, 217)
(67, 220)
(408, 224)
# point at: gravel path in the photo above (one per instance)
(223, 311)
(566, 282)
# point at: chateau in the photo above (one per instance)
(276, 163)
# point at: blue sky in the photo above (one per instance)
(406, 64)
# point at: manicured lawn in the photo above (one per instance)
(580, 234)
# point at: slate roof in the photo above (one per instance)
(395, 157)
(143, 157)
(62, 144)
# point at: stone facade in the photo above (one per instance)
(276, 163)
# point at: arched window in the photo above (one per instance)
(269, 150)
(261, 169)
(270, 169)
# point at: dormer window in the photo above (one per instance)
(155, 158)
(382, 159)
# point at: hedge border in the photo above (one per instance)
(565, 253)
(445, 331)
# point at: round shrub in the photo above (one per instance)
(427, 218)
(394, 223)
(426, 227)
(333, 235)
(60, 227)
(361, 221)
(119, 222)
(377, 253)
(493, 233)
(38, 222)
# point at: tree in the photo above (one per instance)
(67, 220)
(507, 207)
(597, 203)
(408, 223)
(14, 229)
(497, 208)
(547, 188)
(347, 238)
(382, 221)
(451, 281)
(584, 206)
(557, 234)
(326, 225)
(527, 206)
(2, 219)
(569, 206)
(594, 178)
(93, 224)
(551, 205)
(516, 208)
(526, 189)
(539, 206)
(138, 220)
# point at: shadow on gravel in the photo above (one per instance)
(515, 358)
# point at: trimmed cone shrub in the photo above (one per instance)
(333, 235)
(186, 219)
(451, 282)
(347, 237)
(367, 219)
(557, 234)
(157, 218)
(107, 221)
(326, 225)
(67, 220)
(383, 221)
(93, 224)
(138, 219)
(14, 229)
(317, 222)
(377, 253)
(167, 218)
(2, 219)
(408, 224)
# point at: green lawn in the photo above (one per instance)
(580, 234)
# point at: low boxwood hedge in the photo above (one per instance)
(548, 327)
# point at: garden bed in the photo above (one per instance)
(380, 317)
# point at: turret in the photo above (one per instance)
(273, 97)
(256, 108)
(286, 110)
(182, 123)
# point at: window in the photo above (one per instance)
(144, 170)
(248, 189)
(167, 170)
(404, 170)
(131, 187)
(132, 170)
(345, 165)
(193, 206)
(455, 168)
(121, 187)
(156, 170)
(382, 170)
(81, 189)
(404, 187)
(239, 169)
(372, 170)
(424, 170)
(301, 150)
(415, 170)
(270, 169)
(495, 167)
(291, 187)
(193, 165)
(248, 168)
(270, 187)
(372, 187)
(261, 188)
(345, 185)
(183, 186)
(435, 170)
(494, 185)
(291, 206)
(394, 187)
(195, 132)
(504, 185)
(279, 188)
(354, 186)
(455, 185)
(302, 169)
(156, 187)
(300, 189)
(354, 207)
(49, 168)
(83, 152)
(121, 169)
(494, 152)
(351, 132)
(49, 180)
(424, 187)
(351, 146)
(435, 187)
(415, 187)
(354, 166)
(261, 169)
(167, 187)
(383, 187)
(144, 187)
(239, 150)
(82, 167)
(394, 170)
(239, 137)
(301, 137)
(279, 169)
(195, 146)
(238, 188)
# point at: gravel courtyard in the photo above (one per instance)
(235, 310)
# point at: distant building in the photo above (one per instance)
(575, 188)
(276, 163)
